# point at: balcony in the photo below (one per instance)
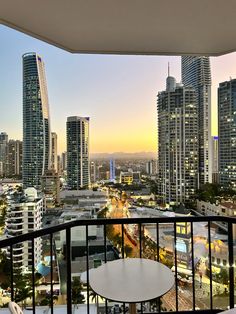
(190, 246)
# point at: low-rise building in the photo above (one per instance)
(129, 177)
(85, 199)
(224, 208)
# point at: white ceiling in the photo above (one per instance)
(172, 27)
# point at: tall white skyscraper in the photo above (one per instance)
(196, 72)
(36, 121)
(78, 172)
(177, 143)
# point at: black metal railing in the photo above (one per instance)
(141, 241)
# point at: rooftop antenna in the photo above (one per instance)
(168, 69)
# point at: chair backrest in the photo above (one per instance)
(14, 308)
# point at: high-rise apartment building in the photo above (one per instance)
(196, 72)
(54, 151)
(64, 161)
(177, 143)
(24, 215)
(215, 152)
(93, 171)
(36, 121)
(151, 167)
(51, 188)
(3, 153)
(112, 170)
(59, 168)
(78, 172)
(227, 133)
(14, 158)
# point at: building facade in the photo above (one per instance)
(215, 152)
(78, 172)
(151, 167)
(196, 72)
(112, 170)
(223, 208)
(51, 188)
(24, 215)
(227, 133)
(3, 153)
(64, 161)
(54, 151)
(36, 121)
(14, 158)
(177, 143)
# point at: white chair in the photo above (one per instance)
(14, 308)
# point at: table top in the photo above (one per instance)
(131, 280)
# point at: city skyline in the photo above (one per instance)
(112, 90)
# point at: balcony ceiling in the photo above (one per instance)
(158, 27)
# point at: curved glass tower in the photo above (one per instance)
(196, 72)
(36, 121)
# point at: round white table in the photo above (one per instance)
(131, 280)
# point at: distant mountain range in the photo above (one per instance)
(122, 155)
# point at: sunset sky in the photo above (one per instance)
(118, 93)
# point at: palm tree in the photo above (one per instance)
(94, 297)
(77, 296)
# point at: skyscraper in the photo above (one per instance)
(14, 158)
(215, 157)
(3, 153)
(227, 133)
(54, 151)
(78, 172)
(196, 72)
(177, 143)
(112, 170)
(64, 161)
(36, 121)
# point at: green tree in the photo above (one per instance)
(22, 286)
(47, 300)
(208, 192)
(77, 296)
(5, 265)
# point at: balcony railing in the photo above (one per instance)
(186, 242)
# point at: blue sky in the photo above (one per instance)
(118, 93)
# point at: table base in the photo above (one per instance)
(132, 308)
